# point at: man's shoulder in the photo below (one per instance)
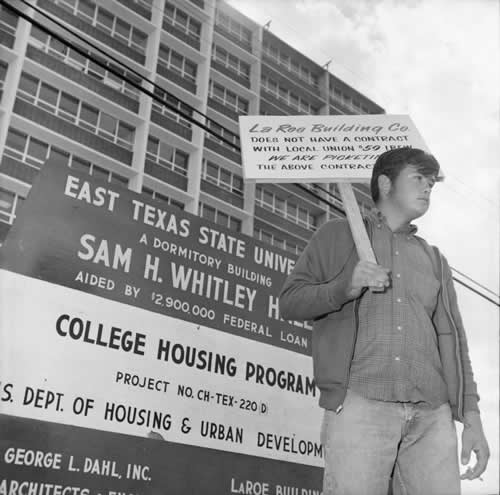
(427, 246)
(335, 224)
(438, 259)
(334, 227)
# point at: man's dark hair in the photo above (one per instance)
(390, 163)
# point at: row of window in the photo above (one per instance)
(233, 27)
(162, 198)
(291, 247)
(69, 108)
(107, 22)
(3, 74)
(348, 100)
(293, 66)
(172, 101)
(34, 152)
(167, 156)
(178, 18)
(71, 57)
(146, 4)
(219, 217)
(231, 62)
(290, 98)
(221, 131)
(9, 203)
(228, 98)
(285, 208)
(8, 21)
(173, 60)
(222, 178)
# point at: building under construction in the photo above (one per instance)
(129, 113)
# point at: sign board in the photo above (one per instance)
(320, 148)
(141, 351)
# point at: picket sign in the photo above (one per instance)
(324, 149)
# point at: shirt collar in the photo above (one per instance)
(376, 216)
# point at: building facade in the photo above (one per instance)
(210, 59)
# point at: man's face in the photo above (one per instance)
(410, 192)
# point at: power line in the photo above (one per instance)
(91, 57)
(477, 283)
(477, 292)
(485, 198)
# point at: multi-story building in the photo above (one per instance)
(210, 59)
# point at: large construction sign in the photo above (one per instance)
(141, 352)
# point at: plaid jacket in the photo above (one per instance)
(315, 290)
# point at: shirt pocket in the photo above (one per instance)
(424, 288)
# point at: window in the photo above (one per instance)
(28, 86)
(224, 133)
(178, 18)
(88, 117)
(168, 112)
(285, 208)
(219, 217)
(33, 152)
(290, 64)
(3, 75)
(67, 107)
(222, 178)
(164, 199)
(231, 62)
(82, 165)
(228, 98)
(71, 57)
(347, 100)
(27, 149)
(105, 21)
(276, 241)
(170, 59)
(8, 21)
(167, 156)
(287, 96)
(9, 203)
(241, 32)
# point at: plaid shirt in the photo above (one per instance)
(396, 355)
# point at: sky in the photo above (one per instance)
(438, 61)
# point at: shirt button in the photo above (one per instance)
(398, 275)
(396, 253)
(397, 358)
(400, 327)
(398, 299)
(408, 238)
(378, 225)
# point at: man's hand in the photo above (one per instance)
(368, 274)
(473, 439)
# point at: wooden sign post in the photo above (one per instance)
(359, 234)
(324, 149)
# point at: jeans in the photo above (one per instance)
(370, 442)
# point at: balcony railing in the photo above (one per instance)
(139, 7)
(246, 45)
(71, 131)
(92, 31)
(185, 36)
(222, 149)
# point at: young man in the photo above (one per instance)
(390, 353)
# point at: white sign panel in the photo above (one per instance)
(189, 383)
(320, 148)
